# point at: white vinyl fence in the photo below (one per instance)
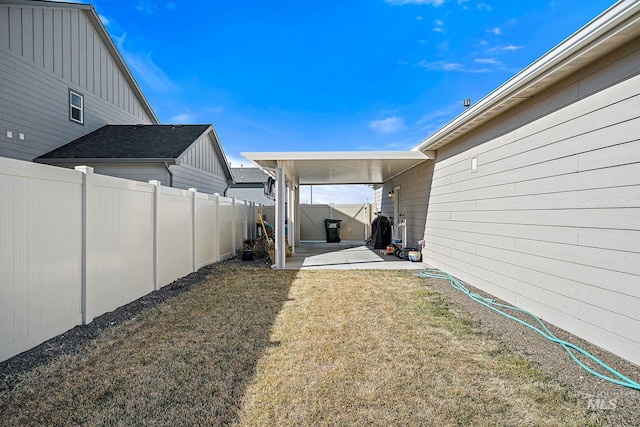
(355, 220)
(75, 245)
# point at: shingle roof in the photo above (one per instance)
(131, 142)
(249, 175)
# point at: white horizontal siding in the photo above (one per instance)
(551, 219)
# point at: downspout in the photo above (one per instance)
(166, 165)
(227, 189)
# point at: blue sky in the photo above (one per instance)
(330, 76)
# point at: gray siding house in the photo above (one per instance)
(68, 98)
(252, 184)
(534, 195)
(61, 77)
(181, 156)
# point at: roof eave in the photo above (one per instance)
(618, 17)
(84, 160)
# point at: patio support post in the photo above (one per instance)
(281, 198)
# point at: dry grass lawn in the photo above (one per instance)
(251, 346)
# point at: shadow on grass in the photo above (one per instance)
(187, 361)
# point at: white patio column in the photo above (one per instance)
(281, 197)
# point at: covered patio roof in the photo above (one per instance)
(292, 169)
(340, 167)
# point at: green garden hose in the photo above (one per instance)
(545, 332)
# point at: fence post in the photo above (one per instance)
(156, 231)
(233, 226)
(217, 227)
(87, 173)
(194, 201)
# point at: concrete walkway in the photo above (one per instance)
(345, 256)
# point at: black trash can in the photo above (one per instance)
(332, 229)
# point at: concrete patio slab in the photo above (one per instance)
(345, 256)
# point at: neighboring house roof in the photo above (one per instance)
(159, 143)
(249, 175)
(102, 32)
(618, 25)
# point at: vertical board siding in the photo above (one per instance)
(200, 167)
(549, 220)
(45, 51)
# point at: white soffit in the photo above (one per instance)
(340, 167)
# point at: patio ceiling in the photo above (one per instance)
(340, 167)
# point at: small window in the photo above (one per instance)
(76, 107)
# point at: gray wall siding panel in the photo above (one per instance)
(202, 155)
(185, 176)
(46, 51)
(550, 220)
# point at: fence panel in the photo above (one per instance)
(175, 244)
(74, 245)
(119, 243)
(354, 226)
(205, 235)
(40, 253)
(226, 224)
(240, 216)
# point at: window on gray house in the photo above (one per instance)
(76, 107)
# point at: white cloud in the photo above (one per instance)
(152, 8)
(502, 48)
(104, 19)
(490, 61)
(434, 120)
(497, 31)
(148, 72)
(451, 66)
(441, 66)
(419, 18)
(512, 48)
(182, 118)
(403, 2)
(438, 26)
(388, 125)
(147, 6)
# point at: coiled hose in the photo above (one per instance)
(617, 378)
